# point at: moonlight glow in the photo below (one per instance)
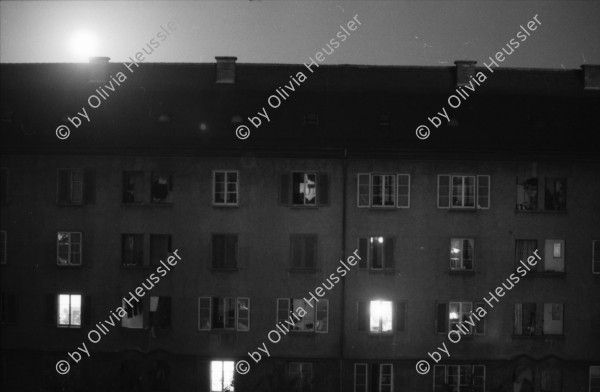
(82, 45)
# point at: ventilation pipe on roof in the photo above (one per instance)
(464, 70)
(225, 69)
(98, 69)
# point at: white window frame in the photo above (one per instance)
(70, 251)
(391, 384)
(366, 179)
(70, 324)
(480, 191)
(3, 247)
(365, 387)
(222, 387)
(317, 306)
(595, 257)
(463, 186)
(72, 184)
(461, 261)
(398, 190)
(225, 186)
(237, 304)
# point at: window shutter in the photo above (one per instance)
(363, 190)
(64, 186)
(296, 251)
(283, 309)
(518, 319)
(231, 251)
(400, 316)
(388, 253)
(51, 307)
(323, 189)
(284, 189)
(89, 186)
(363, 246)
(483, 192)
(310, 252)
(86, 310)
(441, 324)
(480, 326)
(204, 314)
(218, 247)
(322, 312)
(443, 191)
(363, 316)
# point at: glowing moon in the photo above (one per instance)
(83, 45)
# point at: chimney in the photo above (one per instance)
(591, 77)
(225, 69)
(464, 70)
(98, 71)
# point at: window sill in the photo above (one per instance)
(304, 270)
(383, 271)
(226, 270)
(67, 266)
(543, 274)
(462, 209)
(539, 337)
(462, 272)
(142, 204)
(225, 205)
(382, 208)
(136, 267)
(64, 204)
(541, 211)
(303, 206)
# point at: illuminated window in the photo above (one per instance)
(461, 254)
(449, 315)
(307, 189)
(68, 248)
(458, 313)
(69, 310)
(304, 188)
(376, 253)
(225, 188)
(380, 319)
(221, 376)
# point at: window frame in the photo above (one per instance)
(223, 386)
(222, 265)
(136, 174)
(365, 387)
(70, 254)
(316, 184)
(135, 236)
(391, 384)
(549, 257)
(367, 180)
(152, 319)
(318, 306)
(210, 327)
(480, 191)
(70, 197)
(460, 376)
(81, 310)
(304, 242)
(226, 192)
(461, 261)
(366, 261)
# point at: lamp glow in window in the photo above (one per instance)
(308, 188)
(69, 310)
(221, 376)
(380, 316)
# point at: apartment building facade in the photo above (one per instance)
(260, 223)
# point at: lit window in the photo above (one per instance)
(459, 312)
(221, 376)
(308, 189)
(69, 310)
(381, 317)
(225, 188)
(68, 248)
(461, 254)
(461, 317)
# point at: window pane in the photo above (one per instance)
(64, 308)
(380, 316)
(306, 323)
(216, 376)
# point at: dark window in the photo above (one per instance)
(223, 313)
(132, 250)
(159, 373)
(525, 319)
(311, 119)
(527, 193)
(3, 246)
(301, 376)
(76, 186)
(556, 194)
(160, 248)
(524, 249)
(160, 312)
(376, 253)
(464, 191)
(3, 185)
(225, 188)
(162, 186)
(133, 187)
(69, 248)
(224, 250)
(303, 251)
(459, 378)
(595, 256)
(8, 308)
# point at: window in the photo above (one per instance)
(376, 253)
(594, 378)
(224, 251)
(381, 316)
(132, 250)
(382, 376)
(383, 190)
(133, 187)
(3, 185)
(461, 254)
(303, 249)
(310, 119)
(554, 256)
(595, 255)
(68, 250)
(460, 316)
(225, 188)
(224, 313)
(3, 247)
(551, 380)
(555, 197)
(69, 310)
(162, 187)
(160, 248)
(221, 376)
(134, 319)
(463, 191)
(527, 193)
(76, 186)
(523, 250)
(160, 312)
(314, 320)
(8, 308)
(306, 189)
(459, 378)
(526, 319)
(301, 376)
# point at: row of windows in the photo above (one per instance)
(374, 190)
(233, 314)
(377, 253)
